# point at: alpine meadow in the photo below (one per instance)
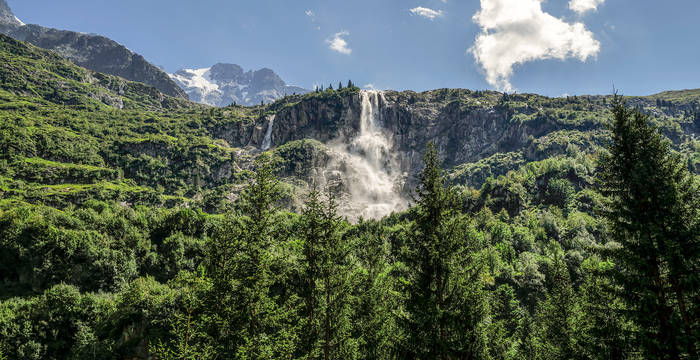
(183, 212)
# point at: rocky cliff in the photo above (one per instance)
(468, 127)
(94, 52)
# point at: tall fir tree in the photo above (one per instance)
(326, 282)
(654, 213)
(445, 304)
(376, 293)
(311, 231)
(603, 332)
(557, 314)
(255, 322)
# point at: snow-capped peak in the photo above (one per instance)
(19, 21)
(225, 84)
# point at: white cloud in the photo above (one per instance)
(309, 13)
(427, 13)
(370, 86)
(518, 31)
(338, 43)
(584, 6)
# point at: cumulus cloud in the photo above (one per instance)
(518, 31)
(339, 44)
(427, 13)
(583, 6)
(309, 13)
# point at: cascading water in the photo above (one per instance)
(267, 141)
(370, 173)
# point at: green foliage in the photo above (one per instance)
(445, 305)
(326, 278)
(653, 211)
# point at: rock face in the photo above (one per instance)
(7, 18)
(463, 134)
(225, 84)
(94, 52)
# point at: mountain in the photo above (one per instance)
(91, 51)
(7, 18)
(226, 84)
(26, 69)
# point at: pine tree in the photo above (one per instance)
(603, 331)
(505, 317)
(445, 303)
(326, 286)
(311, 232)
(654, 213)
(528, 344)
(376, 293)
(557, 313)
(340, 85)
(251, 318)
(350, 84)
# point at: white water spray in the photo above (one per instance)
(371, 174)
(267, 141)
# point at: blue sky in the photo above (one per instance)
(639, 46)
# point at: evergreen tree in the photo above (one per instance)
(654, 213)
(557, 313)
(376, 293)
(350, 84)
(505, 316)
(445, 304)
(326, 286)
(528, 344)
(254, 321)
(340, 85)
(603, 331)
(311, 232)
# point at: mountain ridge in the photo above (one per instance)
(224, 84)
(95, 52)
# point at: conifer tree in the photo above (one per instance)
(557, 313)
(603, 332)
(326, 286)
(654, 213)
(445, 303)
(528, 344)
(376, 293)
(311, 232)
(251, 318)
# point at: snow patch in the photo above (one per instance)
(198, 81)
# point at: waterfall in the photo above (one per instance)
(267, 141)
(370, 171)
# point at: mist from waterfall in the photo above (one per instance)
(370, 172)
(267, 141)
